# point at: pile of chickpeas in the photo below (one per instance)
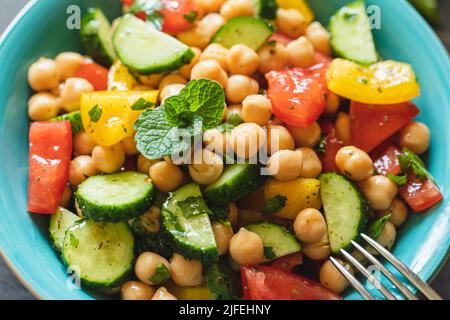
(236, 69)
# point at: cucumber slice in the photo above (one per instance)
(186, 220)
(147, 224)
(60, 221)
(345, 210)
(236, 182)
(157, 243)
(266, 9)
(96, 37)
(115, 197)
(145, 50)
(74, 118)
(278, 242)
(101, 254)
(251, 31)
(351, 37)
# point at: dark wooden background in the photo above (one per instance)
(10, 287)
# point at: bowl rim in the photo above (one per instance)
(31, 3)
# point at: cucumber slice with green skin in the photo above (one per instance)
(74, 118)
(235, 183)
(351, 37)
(345, 210)
(278, 241)
(100, 253)
(250, 31)
(115, 197)
(145, 50)
(186, 221)
(147, 224)
(266, 9)
(60, 221)
(157, 243)
(96, 36)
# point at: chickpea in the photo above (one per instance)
(166, 176)
(300, 53)
(342, 126)
(216, 52)
(291, 22)
(71, 94)
(233, 214)
(83, 143)
(143, 164)
(312, 166)
(80, 168)
(210, 69)
(185, 71)
(319, 37)
(57, 90)
(215, 141)
(206, 168)
(151, 80)
(309, 225)
(380, 191)
(171, 78)
(109, 159)
(242, 60)
(246, 139)
(236, 8)
(66, 197)
(163, 294)
(209, 5)
(398, 212)
(170, 91)
(147, 264)
(43, 75)
(198, 36)
(68, 64)
(331, 278)
(247, 248)
(354, 163)
(186, 273)
(129, 146)
(43, 106)
(239, 87)
(272, 57)
(386, 237)
(211, 23)
(233, 109)
(416, 137)
(333, 102)
(256, 108)
(306, 137)
(319, 250)
(223, 234)
(285, 165)
(136, 290)
(278, 138)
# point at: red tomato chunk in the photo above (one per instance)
(420, 195)
(95, 74)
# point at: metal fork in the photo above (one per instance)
(421, 286)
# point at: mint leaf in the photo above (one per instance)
(235, 119)
(273, 205)
(162, 274)
(322, 145)
(95, 113)
(398, 180)
(377, 226)
(74, 242)
(142, 104)
(408, 160)
(191, 16)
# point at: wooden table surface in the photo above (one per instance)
(10, 287)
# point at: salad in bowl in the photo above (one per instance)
(211, 149)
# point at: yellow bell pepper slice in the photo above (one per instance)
(386, 82)
(200, 292)
(299, 5)
(115, 115)
(300, 194)
(120, 78)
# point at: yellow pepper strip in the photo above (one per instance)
(386, 82)
(200, 292)
(115, 115)
(120, 78)
(300, 194)
(299, 5)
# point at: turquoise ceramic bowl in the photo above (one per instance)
(40, 30)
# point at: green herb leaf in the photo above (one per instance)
(398, 180)
(377, 226)
(219, 213)
(235, 119)
(193, 206)
(322, 145)
(191, 16)
(269, 253)
(408, 160)
(162, 274)
(273, 205)
(74, 242)
(142, 104)
(95, 113)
